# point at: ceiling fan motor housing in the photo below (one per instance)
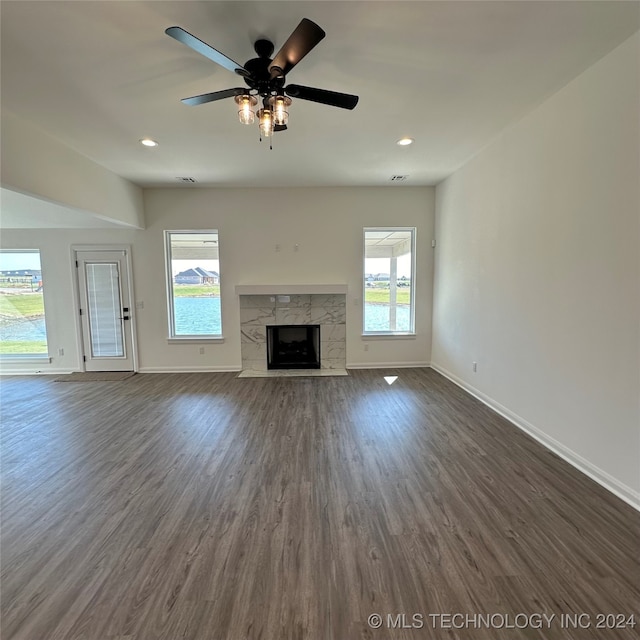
(260, 77)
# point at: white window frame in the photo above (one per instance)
(214, 337)
(34, 358)
(412, 286)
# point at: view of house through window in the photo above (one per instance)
(388, 280)
(22, 326)
(193, 270)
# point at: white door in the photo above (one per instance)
(105, 310)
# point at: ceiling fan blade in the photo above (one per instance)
(304, 38)
(332, 98)
(279, 127)
(212, 97)
(179, 34)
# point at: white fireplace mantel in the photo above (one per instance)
(288, 289)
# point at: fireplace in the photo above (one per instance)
(260, 308)
(293, 346)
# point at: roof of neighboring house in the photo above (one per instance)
(188, 273)
(21, 272)
(197, 272)
(207, 274)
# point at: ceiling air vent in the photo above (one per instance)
(398, 178)
(186, 180)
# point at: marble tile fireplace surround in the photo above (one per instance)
(263, 305)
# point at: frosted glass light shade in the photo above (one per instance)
(280, 105)
(265, 121)
(246, 103)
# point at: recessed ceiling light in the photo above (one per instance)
(148, 142)
(403, 142)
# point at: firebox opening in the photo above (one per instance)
(292, 346)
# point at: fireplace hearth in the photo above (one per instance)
(292, 346)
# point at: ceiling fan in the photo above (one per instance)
(265, 78)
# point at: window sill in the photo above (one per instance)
(196, 340)
(396, 335)
(25, 359)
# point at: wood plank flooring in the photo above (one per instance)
(207, 507)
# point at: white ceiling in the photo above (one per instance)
(99, 76)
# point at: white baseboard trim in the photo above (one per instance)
(188, 369)
(622, 491)
(387, 365)
(35, 372)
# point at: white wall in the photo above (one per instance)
(325, 223)
(537, 273)
(34, 163)
(327, 226)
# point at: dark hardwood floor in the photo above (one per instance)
(203, 506)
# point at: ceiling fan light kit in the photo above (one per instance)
(265, 78)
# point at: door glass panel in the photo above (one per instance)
(103, 296)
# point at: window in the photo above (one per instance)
(389, 256)
(22, 325)
(193, 272)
